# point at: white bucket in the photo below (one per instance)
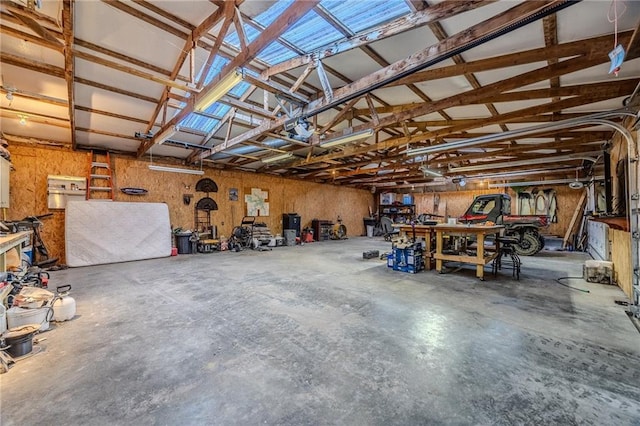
(370, 231)
(17, 317)
(3, 318)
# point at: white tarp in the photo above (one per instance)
(98, 232)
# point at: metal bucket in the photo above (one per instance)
(20, 339)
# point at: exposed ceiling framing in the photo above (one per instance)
(443, 71)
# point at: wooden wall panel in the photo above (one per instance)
(309, 200)
(620, 249)
(457, 203)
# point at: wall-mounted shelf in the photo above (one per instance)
(62, 189)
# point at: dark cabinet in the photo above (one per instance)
(321, 229)
(291, 221)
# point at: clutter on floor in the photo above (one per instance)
(27, 308)
(406, 257)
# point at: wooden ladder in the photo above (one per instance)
(99, 176)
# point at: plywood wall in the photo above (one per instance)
(457, 203)
(620, 248)
(309, 200)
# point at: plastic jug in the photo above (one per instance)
(64, 306)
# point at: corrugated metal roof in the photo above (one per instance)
(267, 17)
(234, 40)
(275, 53)
(218, 63)
(358, 15)
(311, 32)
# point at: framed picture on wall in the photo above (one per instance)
(233, 194)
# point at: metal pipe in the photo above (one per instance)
(568, 157)
(632, 207)
(554, 125)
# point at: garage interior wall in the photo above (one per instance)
(310, 200)
(457, 203)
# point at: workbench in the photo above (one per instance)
(10, 241)
(466, 232)
(426, 232)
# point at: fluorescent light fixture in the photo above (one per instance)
(521, 173)
(175, 170)
(347, 138)
(278, 157)
(427, 171)
(538, 182)
(516, 163)
(162, 137)
(205, 100)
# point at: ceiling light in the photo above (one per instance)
(279, 157)
(168, 132)
(485, 166)
(23, 119)
(9, 95)
(175, 170)
(347, 138)
(576, 184)
(205, 100)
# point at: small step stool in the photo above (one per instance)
(507, 250)
(99, 176)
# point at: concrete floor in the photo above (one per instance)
(314, 334)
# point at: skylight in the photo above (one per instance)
(360, 15)
(311, 31)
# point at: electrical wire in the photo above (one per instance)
(614, 20)
(568, 286)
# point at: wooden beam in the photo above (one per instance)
(13, 32)
(279, 26)
(633, 46)
(120, 5)
(592, 47)
(106, 133)
(41, 67)
(441, 11)
(189, 44)
(522, 95)
(338, 116)
(440, 51)
(110, 114)
(29, 19)
(115, 90)
(128, 59)
(69, 64)
(228, 17)
(574, 218)
(132, 71)
(395, 142)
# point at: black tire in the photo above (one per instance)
(542, 241)
(528, 246)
